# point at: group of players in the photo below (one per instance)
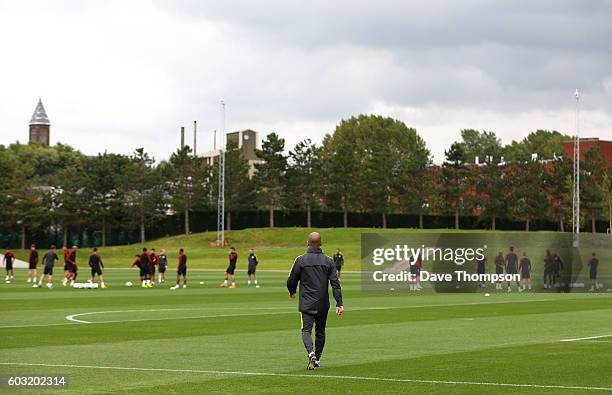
(48, 260)
(553, 266)
(511, 264)
(148, 263)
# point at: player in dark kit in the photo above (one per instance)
(136, 263)
(556, 268)
(48, 261)
(163, 263)
(74, 268)
(512, 266)
(548, 269)
(32, 263)
(593, 264)
(181, 269)
(231, 268)
(338, 261)
(97, 267)
(66, 265)
(313, 272)
(525, 269)
(499, 268)
(70, 267)
(154, 261)
(145, 269)
(481, 268)
(252, 268)
(8, 260)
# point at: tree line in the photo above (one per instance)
(368, 164)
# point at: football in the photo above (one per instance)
(128, 284)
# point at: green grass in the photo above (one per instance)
(505, 338)
(276, 248)
(205, 339)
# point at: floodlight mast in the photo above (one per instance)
(576, 177)
(221, 197)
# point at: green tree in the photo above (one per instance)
(239, 189)
(102, 184)
(592, 193)
(607, 194)
(270, 177)
(70, 206)
(492, 191)
(528, 200)
(341, 168)
(480, 144)
(390, 154)
(557, 186)
(546, 144)
(183, 182)
(454, 183)
(144, 198)
(303, 176)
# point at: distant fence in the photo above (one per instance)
(201, 221)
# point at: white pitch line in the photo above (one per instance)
(174, 318)
(585, 338)
(72, 317)
(314, 376)
(596, 341)
(73, 321)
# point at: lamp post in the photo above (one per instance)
(221, 197)
(576, 176)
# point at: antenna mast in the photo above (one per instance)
(221, 198)
(576, 183)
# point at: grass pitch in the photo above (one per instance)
(205, 339)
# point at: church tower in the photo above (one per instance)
(40, 125)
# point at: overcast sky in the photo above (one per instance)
(117, 75)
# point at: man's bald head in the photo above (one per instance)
(314, 240)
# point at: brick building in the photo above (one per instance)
(604, 147)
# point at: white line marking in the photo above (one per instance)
(76, 321)
(596, 341)
(314, 375)
(168, 318)
(585, 338)
(72, 317)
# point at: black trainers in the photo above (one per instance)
(312, 359)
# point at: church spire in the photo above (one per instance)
(40, 127)
(40, 115)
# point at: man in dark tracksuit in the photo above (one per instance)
(32, 263)
(548, 269)
(593, 263)
(512, 264)
(252, 268)
(525, 269)
(338, 261)
(97, 267)
(145, 269)
(313, 272)
(8, 259)
(74, 268)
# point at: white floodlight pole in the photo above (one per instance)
(576, 194)
(221, 198)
